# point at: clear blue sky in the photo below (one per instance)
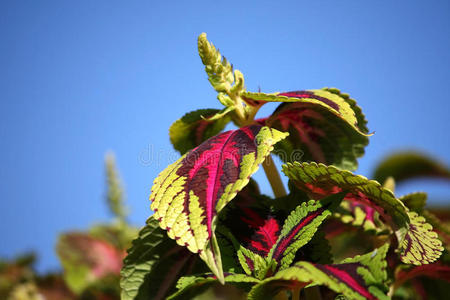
(78, 78)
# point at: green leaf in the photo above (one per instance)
(317, 250)
(194, 128)
(253, 263)
(323, 127)
(154, 263)
(417, 243)
(408, 165)
(219, 70)
(360, 215)
(420, 245)
(189, 287)
(415, 201)
(188, 195)
(362, 277)
(300, 227)
(361, 119)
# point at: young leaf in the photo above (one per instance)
(187, 196)
(153, 264)
(86, 260)
(194, 128)
(362, 277)
(300, 227)
(322, 126)
(409, 164)
(219, 70)
(360, 215)
(413, 234)
(253, 263)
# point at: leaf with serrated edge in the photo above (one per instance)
(193, 129)
(362, 277)
(322, 126)
(420, 242)
(153, 264)
(417, 243)
(300, 227)
(187, 196)
(331, 101)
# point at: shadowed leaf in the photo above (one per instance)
(408, 165)
(236, 285)
(154, 263)
(192, 129)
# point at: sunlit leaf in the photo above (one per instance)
(324, 126)
(187, 196)
(219, 70)
(418, 244)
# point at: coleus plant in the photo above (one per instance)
(213, 232)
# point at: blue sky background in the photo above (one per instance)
(78, 78)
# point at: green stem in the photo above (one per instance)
(274, 177)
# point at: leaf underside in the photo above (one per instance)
(300, 227)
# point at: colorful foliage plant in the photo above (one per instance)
(335, 234)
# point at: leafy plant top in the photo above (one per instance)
(335, 234)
